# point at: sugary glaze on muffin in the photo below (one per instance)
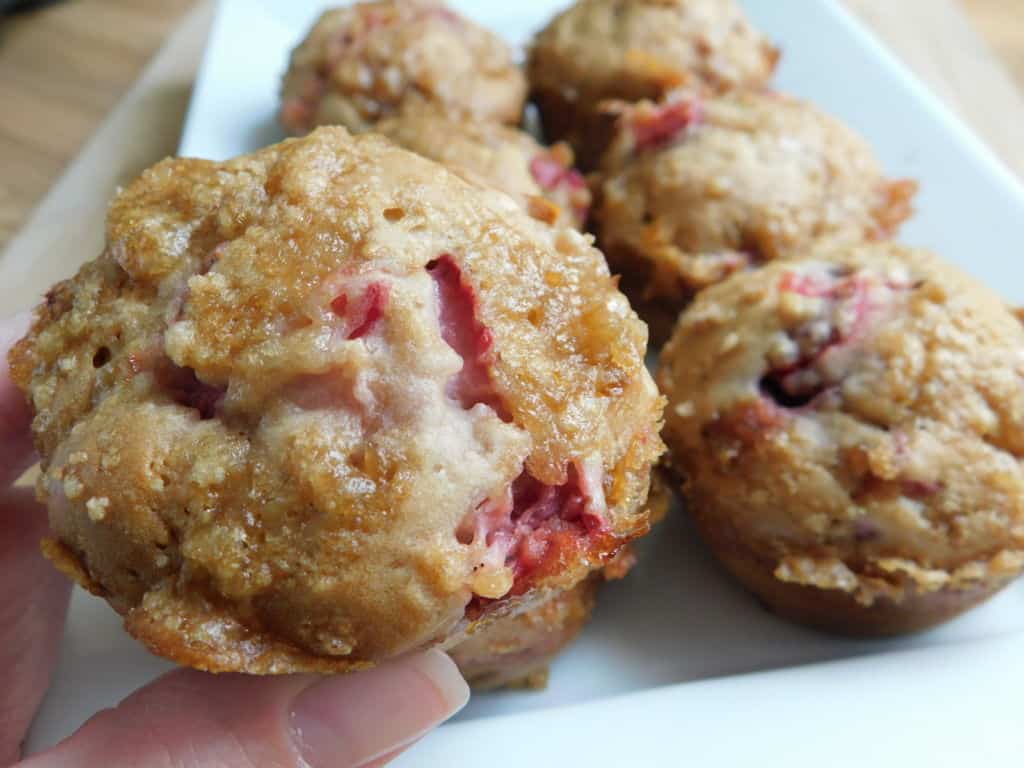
(365, 61)
(327, 402)
(853, 424)
(515, 651)
(639, 49)
(541, 179)
(696, 189)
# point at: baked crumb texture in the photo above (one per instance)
(366, 61)
(638, 49)
(541, 179)
(695, 189)
(850, 427)
(328, 402)
(515, 652)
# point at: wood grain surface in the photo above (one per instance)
(64, 67)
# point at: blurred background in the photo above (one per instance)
(64, 65)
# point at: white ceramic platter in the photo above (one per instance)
(627, 693)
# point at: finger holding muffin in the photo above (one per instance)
(374, 389)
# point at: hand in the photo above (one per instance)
(187, 719)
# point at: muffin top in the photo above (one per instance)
(635, 49)
(499, 156)
(696, 189)
(365, 61)
(856, 418)
(328, 402)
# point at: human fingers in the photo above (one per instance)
(189, 719)
(33, 603)
(16, 452)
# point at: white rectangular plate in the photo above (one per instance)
(625, 694)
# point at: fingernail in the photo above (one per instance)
(351, 720)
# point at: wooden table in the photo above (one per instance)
(63, 68)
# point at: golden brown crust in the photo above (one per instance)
(851, 423)
(245, 410)
(697, 189)
(365, 61)
(628, 49)
(832, 610)
(515, 652)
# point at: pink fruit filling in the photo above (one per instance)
(185, 388)
(747, 423)
(554, 175)
(920, 489)
(658, 127)
(361, 314)
(818, 286)
(532, 530)
(462, 330)
(800, 382)
(297, 113)
(549, 173)
(866, 531)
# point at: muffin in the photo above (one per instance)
(638, 49)
(327, 403)
(541, 179)
(515, 652)
(366, 61)
(850, 428)
(695, 190)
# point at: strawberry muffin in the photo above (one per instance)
(850, 428)
(514, 652)
(327, 403)
(638, 49)
(697, 189)
(366, 61)
(541, 179)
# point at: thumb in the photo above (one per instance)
(190, 719)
